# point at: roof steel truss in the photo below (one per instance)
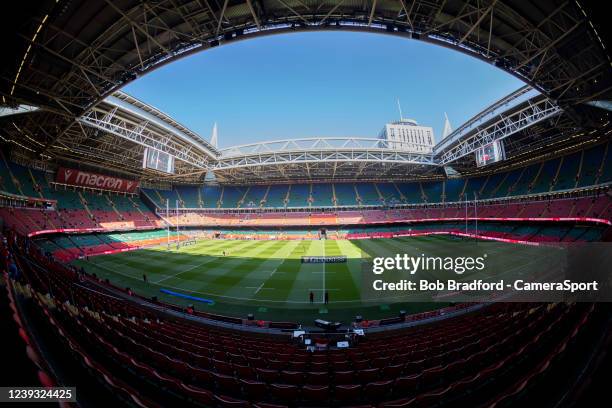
(143, 134)
(323, 156)
(507, 125)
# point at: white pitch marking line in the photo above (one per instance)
(260, 287)
(183, 271)
(236, 297)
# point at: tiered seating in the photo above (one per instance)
(503, 189)
(322, 194)
(473, 187)
(41, 183)
(587, 207)
(285, 234)
(546, 178)
(164, 197)
(71, 216)
(66, 248)
(389, 193)
(7, 182)
(75, 209)
(476, 352)
(525, 231)
(345, 194)
(66, 199)
(478, 357)
(210, 196)
(492, 186)
(323, 219)
(254, 196)
(368, 194)
(579, 169)
(232, 195)
(515, 231)
(454, 190)
(410, 191)
(591, 164)
(524, 183)
(432, 191)
(568, 173)
(276, 196)
(605, 175)
(189, 196)
(24, 180)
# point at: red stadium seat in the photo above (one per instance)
(199, 395)
(227, 402)
(317, 378)
(368, 375)
(292, 377)
(347, 393)
(267, 376)
(378, 390)
(315, 393)
(254, 390)
(344, 377)
(284, 392)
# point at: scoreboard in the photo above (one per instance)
(491, 153)
(156, 160)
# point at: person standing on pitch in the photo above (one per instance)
(311, 297)
(326, 297)
(144, 277)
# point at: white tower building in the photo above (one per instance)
(407, 135)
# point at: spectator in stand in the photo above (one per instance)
(13, 271)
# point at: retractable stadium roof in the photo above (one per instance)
(65, 57)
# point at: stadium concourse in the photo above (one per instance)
(147, 267)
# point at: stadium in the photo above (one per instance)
(146, 266)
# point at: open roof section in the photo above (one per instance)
(84, 50)
(65, 57)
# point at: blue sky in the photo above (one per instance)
(320, 84)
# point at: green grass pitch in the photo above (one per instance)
(265, 278)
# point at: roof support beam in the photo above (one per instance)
(294, 12)
(138, 27)
(372, 13)
(221, 16)
(484, 14)
(254, 14)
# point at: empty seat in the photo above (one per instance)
(225, 401)
(347, 393)
(255, 390)
(198, 395)
(315, 393)
(284, 392)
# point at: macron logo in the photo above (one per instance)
(67, 173)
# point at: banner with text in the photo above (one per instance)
(86, 179)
